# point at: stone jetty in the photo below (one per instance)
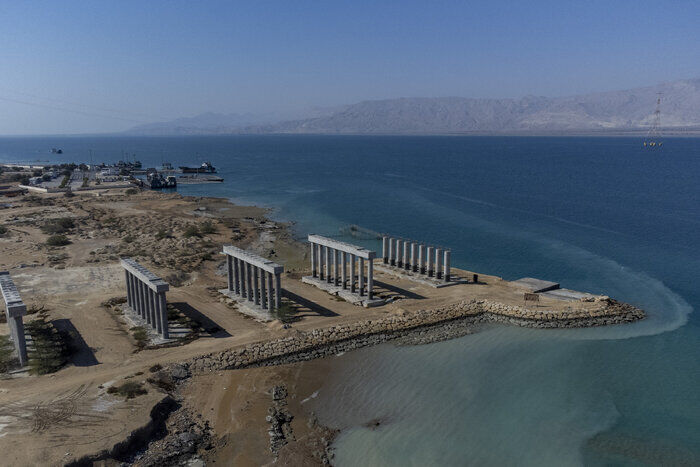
(317, 343)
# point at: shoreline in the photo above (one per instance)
(329, 341)
(269, 353)
(313, 362)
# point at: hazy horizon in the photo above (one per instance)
(99, 67)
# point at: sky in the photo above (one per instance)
(103, 66)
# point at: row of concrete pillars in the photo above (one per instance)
(149, 304)
(15, 309)
(416, 257)
(331, 265)
(254, 283)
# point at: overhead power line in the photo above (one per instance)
(74, 111)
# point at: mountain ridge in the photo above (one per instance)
(629, 110)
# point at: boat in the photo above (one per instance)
(205, 168)
(157, 181)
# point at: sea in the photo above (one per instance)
(598, 214)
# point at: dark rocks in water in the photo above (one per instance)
(373, 424)
(280, 419)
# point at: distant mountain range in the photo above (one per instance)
(616, 111)
(200, 124)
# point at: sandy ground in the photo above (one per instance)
(72, 281)
(235, 403)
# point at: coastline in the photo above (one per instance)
(279, 357)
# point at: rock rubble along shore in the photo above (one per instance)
(332, 340)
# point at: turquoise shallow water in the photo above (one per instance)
(597, 214)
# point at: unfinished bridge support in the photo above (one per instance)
(337, 255)
(428, 261)
(15, 309)
(253, 278)
(145, 295)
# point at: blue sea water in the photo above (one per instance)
(601, 215)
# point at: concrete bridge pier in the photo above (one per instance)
(314, 272)
(446, 266)
(421, 259)
(262, 284)
(344, 262)
(15, 309)
(353, 275)
(414, 257)
(406, 260)
(392, 251)
(145, 295)
(430, 261)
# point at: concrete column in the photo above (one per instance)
(249, 282)
(414, 257)
(142, 296)
(446, 267)
(128, 289)
(370, 278)
(320, 254)
(240, 264)
(344, 270)
(17, 330)
(328, 264)
(392, 251)
(361, 281)
(154, 310)
(239, 275)
(270, 297)
(421, 259)
(385, 249)
(430, 261)
(133, 299)
(314, 272)
(406, 261)
(256, 289)
(12, 324)
(278, 292)
(263, 294)
(157, 324)
(136, 295)
(438, 263)
(353, 260)
(399, 251)
(229, 270)
(146, 303)
(163, 309)
(336, 276)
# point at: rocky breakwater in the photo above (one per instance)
(307, 345)
(605, 311)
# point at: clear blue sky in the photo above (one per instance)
(66, 66)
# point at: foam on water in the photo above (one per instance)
(665, 309)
